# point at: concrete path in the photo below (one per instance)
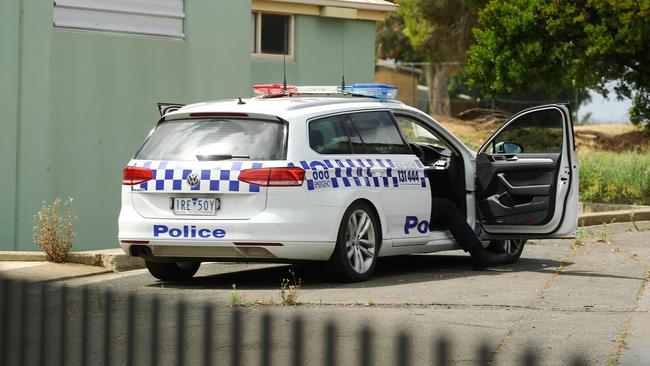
(563, 297)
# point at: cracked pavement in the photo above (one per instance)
(560, 299)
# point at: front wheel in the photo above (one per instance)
(173, 271)
(512, 247)
(357, 246)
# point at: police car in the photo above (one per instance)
(337, 175)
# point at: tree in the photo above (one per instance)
(584, 43)
(441, 30)
(437, 31)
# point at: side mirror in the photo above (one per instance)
(507, 147)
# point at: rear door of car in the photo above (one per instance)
(527, 177)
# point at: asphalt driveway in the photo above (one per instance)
(563, 297)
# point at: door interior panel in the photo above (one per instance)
(516, 189)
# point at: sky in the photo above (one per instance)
(605, 110)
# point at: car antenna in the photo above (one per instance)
(342, 61)
(284, 67)
(241, 101)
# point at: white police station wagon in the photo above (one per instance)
(296, 175)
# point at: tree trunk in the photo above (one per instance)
(438, 79)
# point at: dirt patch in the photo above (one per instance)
(609, 137)
(616, 138)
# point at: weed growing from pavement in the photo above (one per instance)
(53, 229)
(289, 289)
(603, 234)
(235, 297)
(578, 241)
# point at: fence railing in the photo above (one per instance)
(47, 324)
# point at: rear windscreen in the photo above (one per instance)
(190, 139)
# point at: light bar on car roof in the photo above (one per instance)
(380, 91)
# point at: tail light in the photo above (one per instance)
(273, 177)
(132, 175)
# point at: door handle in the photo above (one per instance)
(512, 158)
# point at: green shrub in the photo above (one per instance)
(615, 178)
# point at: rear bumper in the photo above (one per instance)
(281, 235)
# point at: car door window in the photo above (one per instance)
(378, 133)
(539, 132)
(415, 133)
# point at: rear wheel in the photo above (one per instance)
(173, 271)
(357, 246)
(512, 247)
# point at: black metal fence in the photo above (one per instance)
(45, 324)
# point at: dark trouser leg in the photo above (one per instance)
(445, 213)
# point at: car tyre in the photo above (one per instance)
(358, 242)
(173, 271)
(512, 247)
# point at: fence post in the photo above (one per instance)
(403, 358)
(235, 340)
(4, 318)
(530, 358)
(330, 344)
(130, 336)
(180, 333)
(483, 355)
(43, 326)
(442, 351)
(297, 342)
(108, 298)
(266, 340)
(207, 334)
(155, 331)
(62, 330)
(366, 347)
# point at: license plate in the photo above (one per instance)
(196, 206)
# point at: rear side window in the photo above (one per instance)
(329, 136)
(242, 139)
(357, 133)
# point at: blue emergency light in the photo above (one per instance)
(381, 91)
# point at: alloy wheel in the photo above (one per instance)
(360, 241)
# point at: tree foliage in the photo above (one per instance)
(393, 43)
(584, 43)
(439, 29)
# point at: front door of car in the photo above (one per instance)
(395, 172)
(527, 177)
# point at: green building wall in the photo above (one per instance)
(76, 105)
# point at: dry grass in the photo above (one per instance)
(53, 229)
(289, 289)
(606, 137)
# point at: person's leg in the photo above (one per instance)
(445, 212)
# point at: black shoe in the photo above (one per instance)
(481, 259)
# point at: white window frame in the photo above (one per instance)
(158, 18)
(257, 53)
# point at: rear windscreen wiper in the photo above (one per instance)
(208, 157)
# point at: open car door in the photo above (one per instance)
(527, 177)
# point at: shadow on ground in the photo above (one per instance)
(390, 271)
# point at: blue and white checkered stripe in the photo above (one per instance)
(169, 176)
(344, 173)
